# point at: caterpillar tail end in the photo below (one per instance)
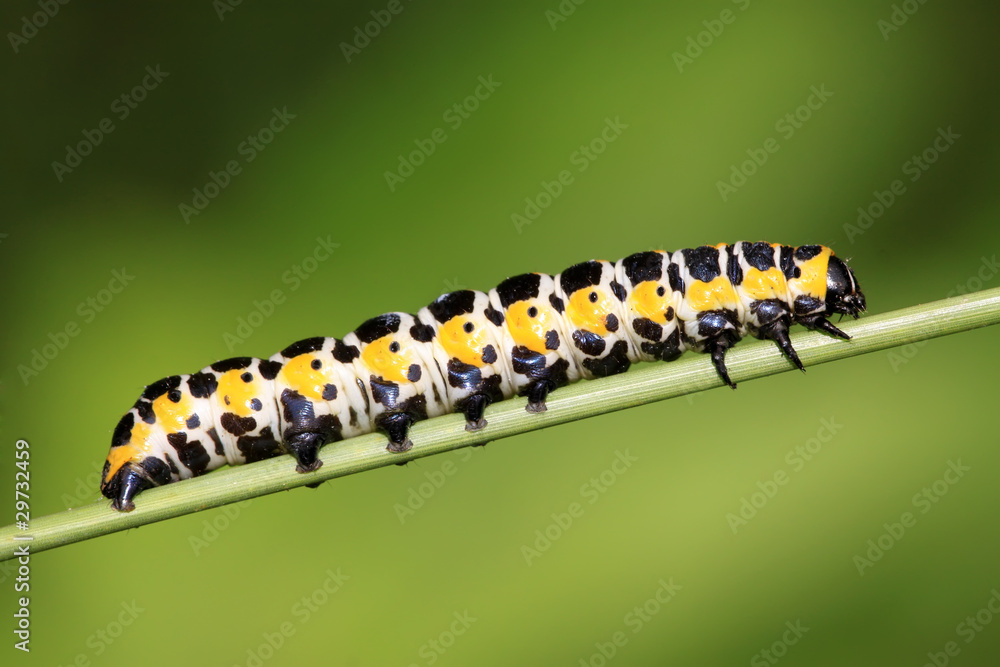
(124, 486)
(122, 480)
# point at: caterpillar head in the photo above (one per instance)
(131, 467)
(843, 294)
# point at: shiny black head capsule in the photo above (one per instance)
(843, 294)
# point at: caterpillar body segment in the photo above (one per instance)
(653, 294)
(596, 318)
(240, 393)
(534, 337)
(397, 368)
(528, 336)
(316, 391)
(467, 345)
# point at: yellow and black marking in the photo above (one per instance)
(528, 336)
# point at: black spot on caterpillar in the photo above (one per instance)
(530, 335)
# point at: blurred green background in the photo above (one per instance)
(216, 587)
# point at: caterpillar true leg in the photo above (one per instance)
(778, 332)
(717, 347)
(820, 323)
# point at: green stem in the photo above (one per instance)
(653, 382)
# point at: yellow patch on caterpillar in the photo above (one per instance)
(646, 302)
(589, 315)
(171, 416)
(392, 366)
(119, 456)
(761, 285)
(812, 280)
(717, 294)
(457, 343)
(529, 331)
(300, 376)
(235, 395)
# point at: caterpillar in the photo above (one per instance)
(529, 335)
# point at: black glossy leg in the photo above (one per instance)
(820, 323)
(778, 332)
(538, 391)
(305, 448)
(718, 331)
(717, 348)
(475, 405)
(396, 427)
